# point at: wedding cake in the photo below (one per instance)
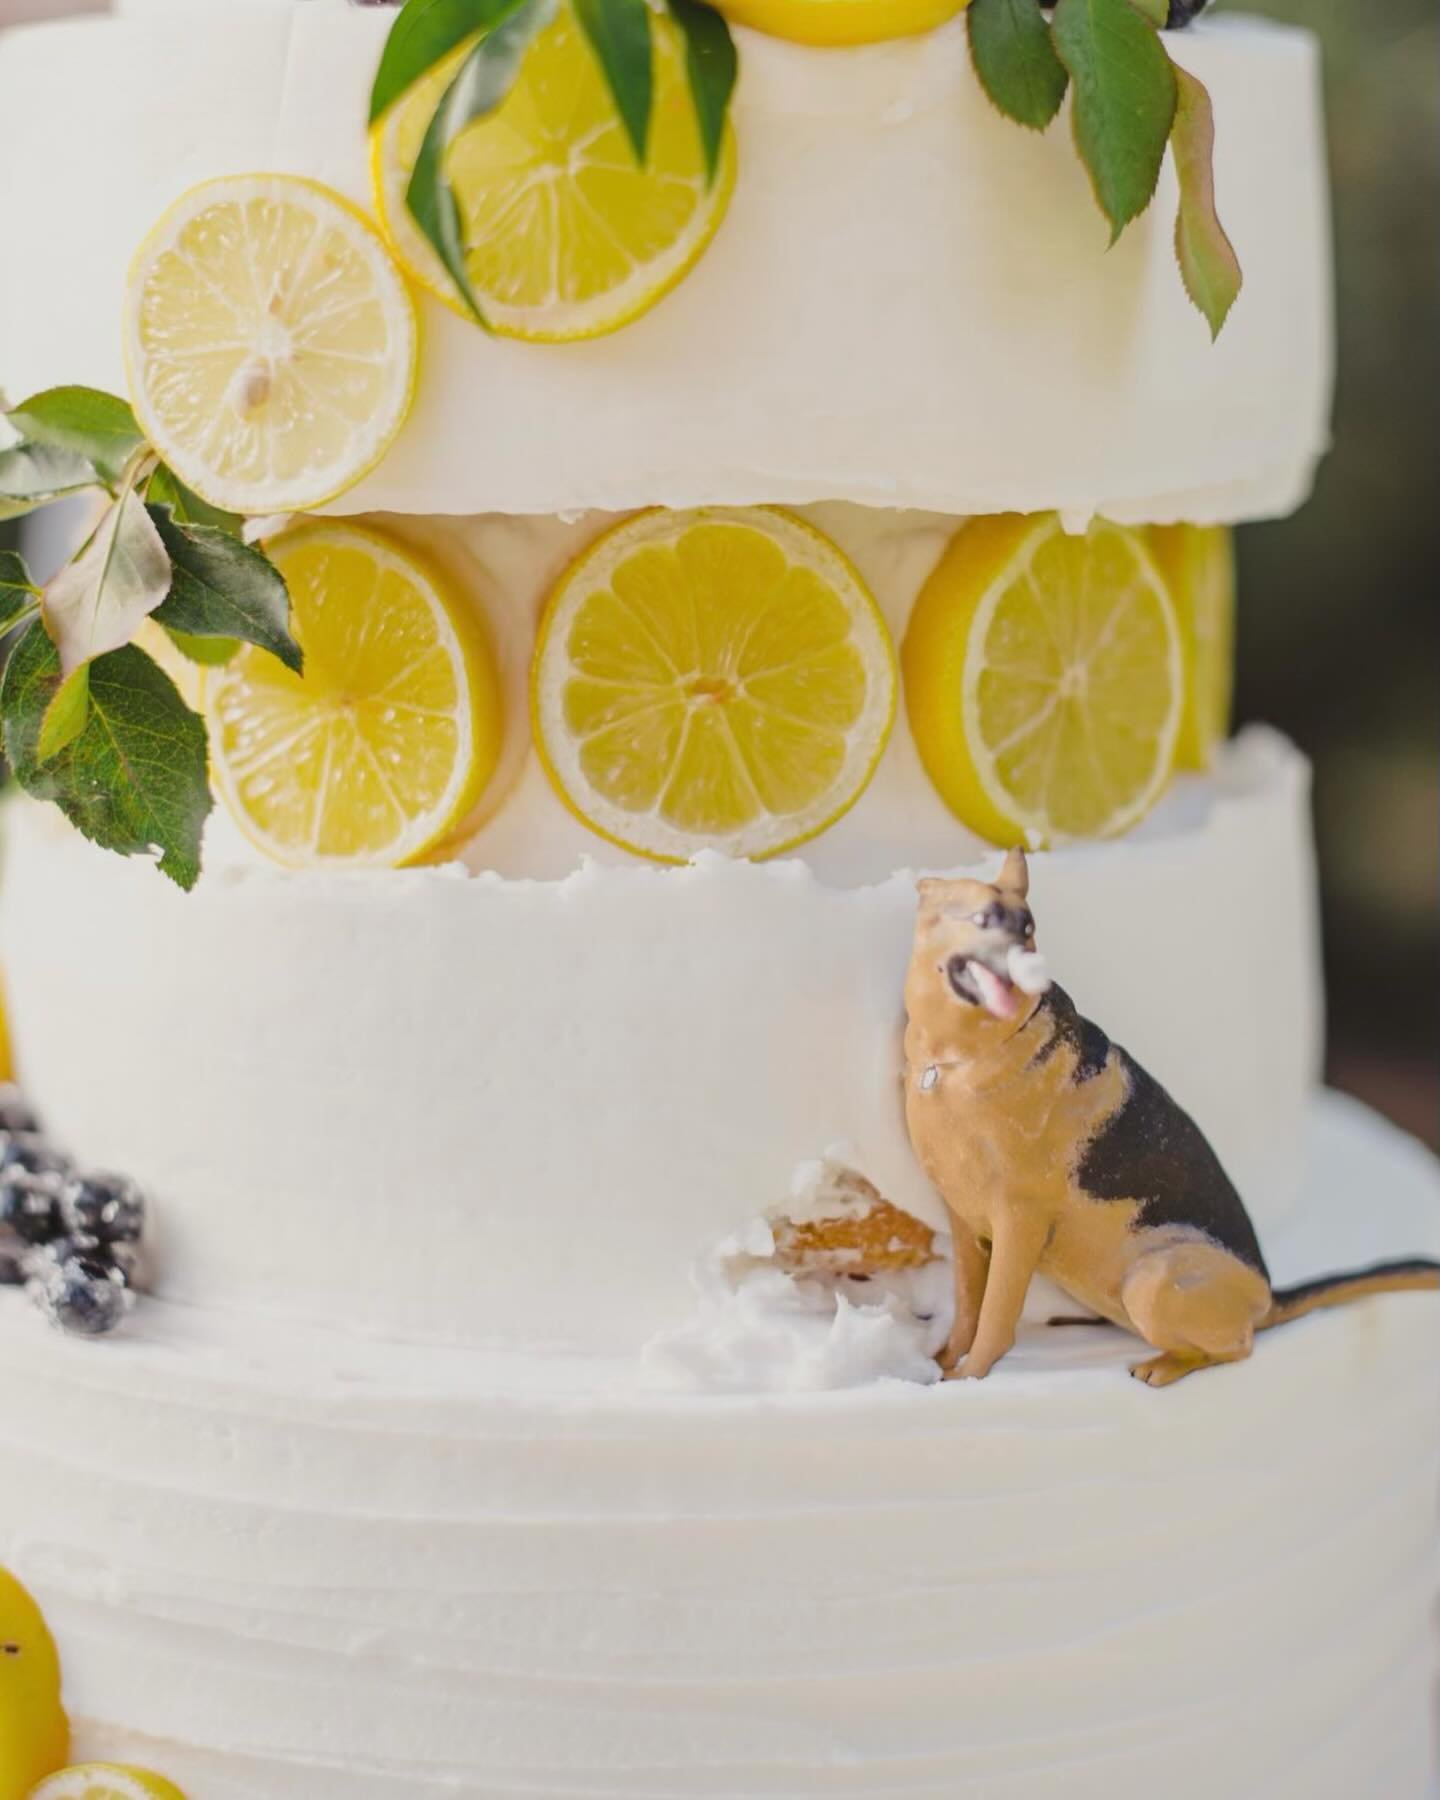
(472, 1434)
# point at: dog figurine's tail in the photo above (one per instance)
(1411, 1273)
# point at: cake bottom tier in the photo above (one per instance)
(293, 1567)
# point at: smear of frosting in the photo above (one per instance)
(757, 1327)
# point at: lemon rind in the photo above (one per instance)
(840, 24)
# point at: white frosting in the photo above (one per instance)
(910, 302)
(296, 1566)
(757, 1326)
(515, 1111)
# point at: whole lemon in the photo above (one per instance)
(34, 1733)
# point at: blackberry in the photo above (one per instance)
(29, 1217)
(108, 1208)
(29, 1208)
(27, 1150)
(81, 1292)
(1182, 12)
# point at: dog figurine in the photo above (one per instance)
(1056, 1153)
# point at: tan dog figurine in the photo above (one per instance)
(1055, 1153)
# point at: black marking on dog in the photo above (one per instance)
(1019, 921)
(1069, 1030)
(1150, 1150)
(962, 984)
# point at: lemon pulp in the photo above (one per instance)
(380, 748)
(566, 235)
(270, 343)
(1043, 679)
(1198, 562)
(106, 1781)
(718, 679)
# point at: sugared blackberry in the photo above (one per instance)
(1182, 12)
(27, 1150)
(82, 1294)
(108, 1208)
(29, 1208)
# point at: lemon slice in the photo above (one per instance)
(1044, 679)
(106, 1781)
(388, 739)
(270, 343)
(567, 237)
(1198, 562)
(838, 22)
(718, 679)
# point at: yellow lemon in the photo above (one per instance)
(106, 1781)
(34, 1733)
(270, 343)
(717, 679)
(389, 737)
(839, 22)
(7, 1062)
(566, 235)
(1198, 562)
(1044, 679)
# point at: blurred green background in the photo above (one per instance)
(1339, 622)
(1340, 606)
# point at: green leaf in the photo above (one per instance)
(65, 716)
(1209, 266)
(1156, 11)
(485, 77)
(221, 588)
(711, 67)
(95, 604)
(1015, 60)
(619, 34)
(167, 489)
(82, 420)
(1124, 100)
(33, 475)
(208, 652)
(18, 594)
(424, 33)
(134, 780)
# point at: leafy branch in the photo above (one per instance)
(89, 720)
(1129, 100)
(620, 34)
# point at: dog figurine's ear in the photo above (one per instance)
(931, 890)
(1015, 875)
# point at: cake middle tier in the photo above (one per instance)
(473, 1109)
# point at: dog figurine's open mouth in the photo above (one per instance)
(979, 983)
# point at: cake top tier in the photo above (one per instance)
(909, 302)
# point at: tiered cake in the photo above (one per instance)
(424, 1470)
